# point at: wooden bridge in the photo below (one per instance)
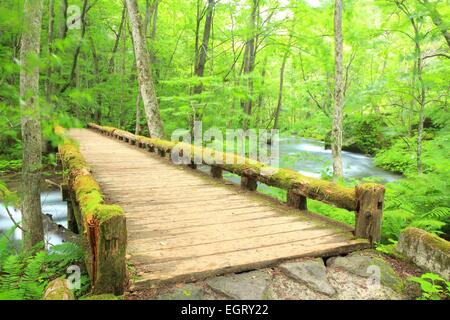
(185, 225)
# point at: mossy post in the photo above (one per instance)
(249, 182)
(296, 200)
(110, 273)
(161, 152)
(369, 211)
(192, 165)
(216, 172)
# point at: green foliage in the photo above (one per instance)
(420, 201)
(25, 275)
(388, 249)
(433, 287)
(366, 133)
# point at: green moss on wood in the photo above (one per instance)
(105, 212)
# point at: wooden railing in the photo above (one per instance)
(365, 199)
(101, 225)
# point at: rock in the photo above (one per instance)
(286, 288)
(352, 287)
(370, 266)
(426, 250)
(105, 296)
(310, 272)
(186, 292)
(244, 286)
(58, 290)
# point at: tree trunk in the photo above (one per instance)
(143, 67)
(336, 133)
(116, 43)
(31, 127)
(202, 53)
(422, 99)
(437, 20)
(280, 92)
(151, 14)
(78, 49)
(137, 130)
(51, 27)
(98, 110)
(249, 63)
(63, 16)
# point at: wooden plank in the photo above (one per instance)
(190, 270)
(185, 225)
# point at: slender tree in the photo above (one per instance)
(336, 132)
(249, 60)
(63, 19)
(78, 48)
(143, 67)
(51, 28)
(281, 83)
(201, 56)
(31, 126)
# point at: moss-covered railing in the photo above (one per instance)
(102, 225)
(365, 199)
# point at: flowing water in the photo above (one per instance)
(306, 156)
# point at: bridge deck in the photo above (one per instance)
(184, 225)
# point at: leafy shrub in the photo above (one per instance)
(420, 201)
(25, 275)
(433, 287)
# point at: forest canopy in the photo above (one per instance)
(251, 64)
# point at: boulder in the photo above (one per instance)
(312, 273)
(426, 250)
(58, 290)
(186, 292)
(244, 286)
(368, 265)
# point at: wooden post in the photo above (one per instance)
(249, 183)
(150, 148)
(162, 152)
(369, 211)
(65, 192)
(110, 266)
(192, 165)
(216, 172)
(71, 220)
(296, 200)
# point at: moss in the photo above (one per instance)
(58, 290)
(323, 190)
(102, 297)
(85, 184)
(428, 238)
(105, 212)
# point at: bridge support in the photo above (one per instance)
(216, 172)
(249, 183)
(71, 219)
(369, 211)
(192, 165)
(296, 200)
(162, 152)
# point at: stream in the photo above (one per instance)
(307, 156)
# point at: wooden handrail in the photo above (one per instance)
(102, 226)
(365, 199)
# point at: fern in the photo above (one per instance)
(439, 213)
(25, 276)
(430, 225)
